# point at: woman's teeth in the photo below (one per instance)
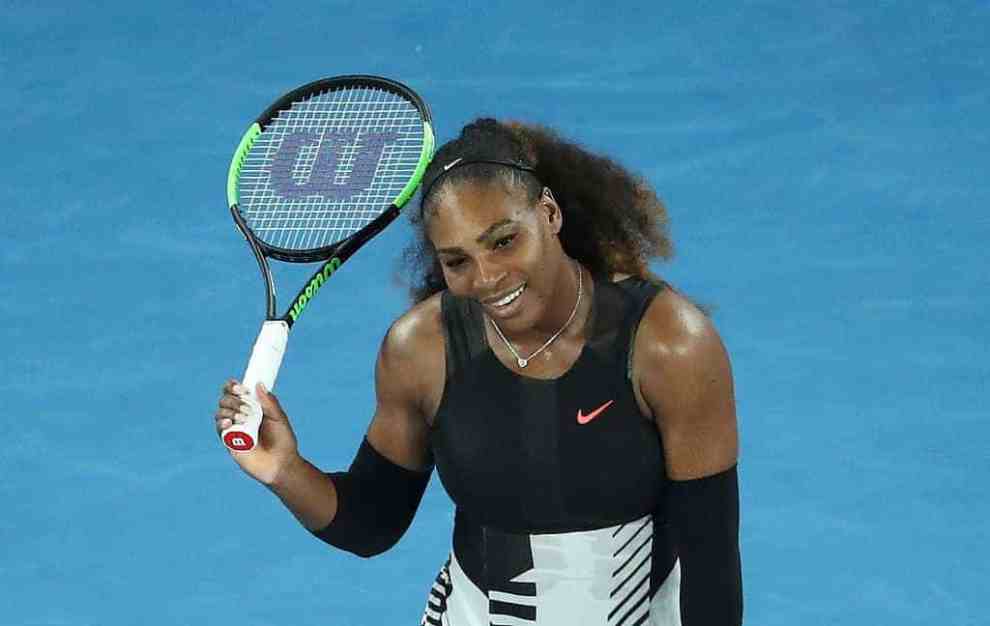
(512, 296)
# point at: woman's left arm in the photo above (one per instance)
(682, 373)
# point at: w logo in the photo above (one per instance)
(325, 176)
(238, 441)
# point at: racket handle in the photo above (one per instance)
(266, 358)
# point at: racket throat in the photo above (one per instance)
(314, 284)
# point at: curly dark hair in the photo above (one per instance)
(614, 223)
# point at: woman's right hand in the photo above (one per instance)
(277, 447)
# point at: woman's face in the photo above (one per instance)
(497, 247)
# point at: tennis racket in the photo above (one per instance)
(320, 172)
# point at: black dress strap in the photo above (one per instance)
(464, 331)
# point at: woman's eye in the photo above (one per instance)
(502, 242)
(453, 263)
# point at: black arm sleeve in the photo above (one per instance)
(376, 501)
(704, 515)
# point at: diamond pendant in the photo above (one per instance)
(522, 362)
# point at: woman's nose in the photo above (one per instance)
(487, 275)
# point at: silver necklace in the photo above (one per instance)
(524, 362)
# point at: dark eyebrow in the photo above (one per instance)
(487, 235)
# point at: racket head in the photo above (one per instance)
(327, 162)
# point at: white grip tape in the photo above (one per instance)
(266, 358)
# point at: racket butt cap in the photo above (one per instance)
(238, 440)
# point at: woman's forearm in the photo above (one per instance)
(705, 518)
(308, 493)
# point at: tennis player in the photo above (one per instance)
(578, 410)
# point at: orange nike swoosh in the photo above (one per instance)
(584, 419)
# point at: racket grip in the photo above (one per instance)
(266, 358)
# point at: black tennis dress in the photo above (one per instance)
(558, 484)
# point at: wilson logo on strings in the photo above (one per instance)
(336, 164)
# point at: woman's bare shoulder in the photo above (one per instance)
(412, 362)
(408, 382)
(674, 321)
(682, 370)
(419, 328)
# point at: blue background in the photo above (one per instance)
(824, 164)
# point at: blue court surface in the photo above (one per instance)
(825, 169)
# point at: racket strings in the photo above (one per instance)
(327, 166)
